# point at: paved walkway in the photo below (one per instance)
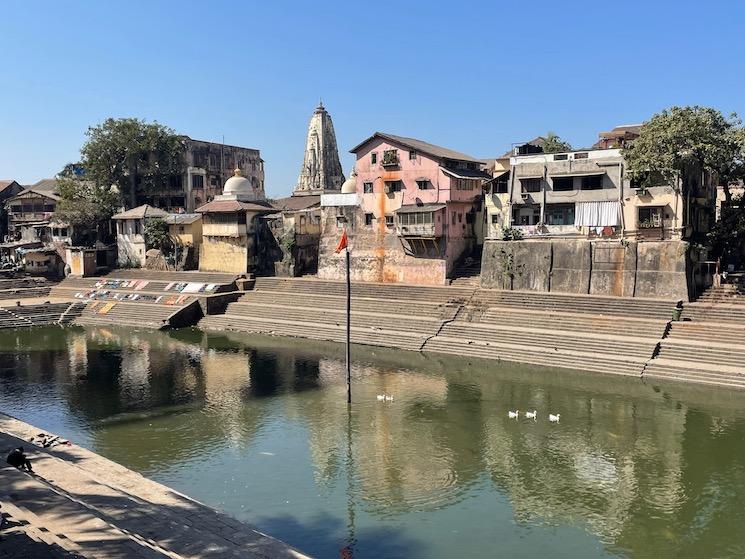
(79, 504)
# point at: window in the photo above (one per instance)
(460, 218)
(423, 184)
(413, 154)
(562, 184)
(650, 216)
(367, 187)
(454, 218)
(582, 155)
(494, 219)
(561, 157)
(393, 186)
(559, 214)
(470, 217)
(197, 181)
(137, 226)
(417, 218)
(180, 228)
(593, 182)
(502, 186)
(464, 184)
(389, 221)
(531, 185)
(373, 158)
(368, 219)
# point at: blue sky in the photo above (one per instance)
(472, 76)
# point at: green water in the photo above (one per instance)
(632, 470)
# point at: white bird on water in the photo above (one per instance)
(531, 414)
(513, 414)
(381, 397)
(389, 398)
(554, 418)
(385, 398)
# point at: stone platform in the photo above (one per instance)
(79, 504)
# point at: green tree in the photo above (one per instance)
(85, 206)
(681, 138)
(132, 155)
(554, 144)
(156, 235)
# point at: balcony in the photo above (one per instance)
(418, 230)
(390, 158)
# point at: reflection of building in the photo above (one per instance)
(417, 210)
(230, 226)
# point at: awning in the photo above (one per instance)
(421, 208)
(466, 174)
(578, 174)
(528, 177)
(497, 175)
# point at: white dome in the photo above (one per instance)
(350, 185)
(237, 184)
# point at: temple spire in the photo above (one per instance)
(321, 170)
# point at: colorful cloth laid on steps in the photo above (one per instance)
(141, 285)
(171, 301)
(169, 286)
(181, 299)
(210, 286)
(106, 308)
(95, 304)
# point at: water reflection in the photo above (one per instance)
(261, 428)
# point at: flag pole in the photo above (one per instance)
(349, 313)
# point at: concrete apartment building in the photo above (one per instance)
(415, 214)
(605, 231)
(207, 165)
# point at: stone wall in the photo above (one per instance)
(657, 269)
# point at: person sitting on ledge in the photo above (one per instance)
(18, 459)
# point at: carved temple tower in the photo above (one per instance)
(321, 171)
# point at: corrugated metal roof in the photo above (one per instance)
(295, 203)
(419, 208)
(466, 174)
(185, 219)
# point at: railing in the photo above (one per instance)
(390, 159)
(418, 230)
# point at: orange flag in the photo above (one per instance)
(342, 242)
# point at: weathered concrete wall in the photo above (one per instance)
(571, 265)
(613, 268)
(224, 254)
(633, 269)
(661, 270)
(516, 265)
(376, 255)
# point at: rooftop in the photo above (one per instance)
(419, 145)
(232, 206)
(182, 219)
(141, 212)
(295, 203)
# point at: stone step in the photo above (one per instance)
(698, 376)
(588, 362)
(702, 356)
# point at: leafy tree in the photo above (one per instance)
(132, 154)
(727, 237)
(680, 138)
(554, 144)
(85, 206)
(156, 235)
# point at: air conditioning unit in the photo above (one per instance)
(641, 191)
(525, 196)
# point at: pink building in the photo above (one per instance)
(417, 209)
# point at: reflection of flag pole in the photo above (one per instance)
(344, 245)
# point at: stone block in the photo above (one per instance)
(661, 270)
(520, 265)
(571, 266)
(613, 268)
